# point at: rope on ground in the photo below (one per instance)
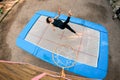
(62, 74)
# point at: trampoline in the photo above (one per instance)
(89, 51)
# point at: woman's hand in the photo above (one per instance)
(59, 10)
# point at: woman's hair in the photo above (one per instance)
(47, 19)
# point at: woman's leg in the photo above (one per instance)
(65, 23)
(68, 19)
(69, 28)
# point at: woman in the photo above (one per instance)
(60, 24)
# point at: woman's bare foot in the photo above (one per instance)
(79, 34)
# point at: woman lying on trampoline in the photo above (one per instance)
(58, 23)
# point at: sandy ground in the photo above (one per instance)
(97, 11)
